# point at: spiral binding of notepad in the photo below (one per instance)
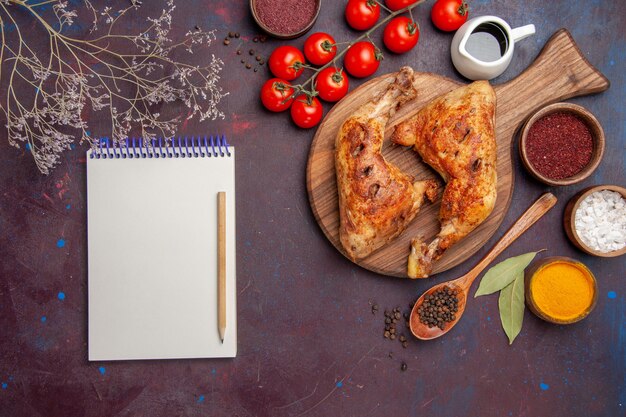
(200, 147)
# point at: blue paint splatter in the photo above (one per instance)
(488, 318)
(72, 146)
(213, 371)
(69, 206)
(611, 62)
(61, 295)
(60, 243)
(9, 27)
(43, 319)
(4, 385)
(544, 386)
(611, 294)
(27, 146)
(102, 370)
(88, 133)
(339, 384)
(201, 399)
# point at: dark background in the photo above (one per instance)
(308, 342)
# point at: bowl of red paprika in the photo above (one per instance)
(285, 19)
(561, 144)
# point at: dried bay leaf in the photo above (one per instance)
(503, 274)
(511, 306)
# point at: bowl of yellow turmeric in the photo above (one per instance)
(560, 290)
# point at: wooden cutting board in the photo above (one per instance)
(559, 72)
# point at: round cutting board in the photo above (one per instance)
(560, 71)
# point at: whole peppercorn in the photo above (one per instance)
(439, 308)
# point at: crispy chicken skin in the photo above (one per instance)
(455, 135)
(376, 200)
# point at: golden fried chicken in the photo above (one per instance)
(376, 200)
(455, 135)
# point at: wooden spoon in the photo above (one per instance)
(463, 284)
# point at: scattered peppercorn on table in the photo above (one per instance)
(311, 325)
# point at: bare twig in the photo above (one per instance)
(48, 94)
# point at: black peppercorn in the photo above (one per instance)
(437, 308)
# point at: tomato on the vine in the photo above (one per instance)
(362, 14)
(275, 94)
(401, 34)
(331, 84)
(319, 48)
(286, 62)
(306, 112)
(362, 59)
(449, 15)
(394, 5)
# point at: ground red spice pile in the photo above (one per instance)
(559, 145)
(286, 16)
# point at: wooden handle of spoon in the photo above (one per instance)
(530, 216)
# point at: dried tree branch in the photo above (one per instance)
(127, 76)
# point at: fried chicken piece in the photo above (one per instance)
(455, 135)
(376, 200)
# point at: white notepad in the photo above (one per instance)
(152, 251)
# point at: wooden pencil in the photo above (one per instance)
(221, 253)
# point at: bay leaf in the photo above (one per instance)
(511, 306)
(502, 274)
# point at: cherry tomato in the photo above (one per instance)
(319, 48)
(362, 14)
(449, 15)
(401, 35)
(362, 59)
(306, 113)
(275, 94)
(332, 84)
(286, 62)
(394, 5)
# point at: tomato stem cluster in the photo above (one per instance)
(300, 89)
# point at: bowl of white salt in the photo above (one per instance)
(595, 220)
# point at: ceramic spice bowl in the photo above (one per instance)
(560, 290)
(285, 19)
(550, 123)
(569, 220)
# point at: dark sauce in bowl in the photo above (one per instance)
(487, 43)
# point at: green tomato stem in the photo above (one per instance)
(300, 88)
